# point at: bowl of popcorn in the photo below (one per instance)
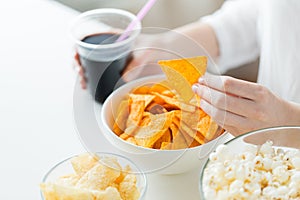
(263, 164)
(96, 176)
(159, 124)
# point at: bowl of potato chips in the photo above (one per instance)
(263, 164)
(159, 124)
(94, 176)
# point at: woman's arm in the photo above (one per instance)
(229, 36)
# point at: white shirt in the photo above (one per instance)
(270, 29)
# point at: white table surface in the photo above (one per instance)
(36, 102)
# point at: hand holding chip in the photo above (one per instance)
(240, 106)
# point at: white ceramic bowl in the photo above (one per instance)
(153, 160)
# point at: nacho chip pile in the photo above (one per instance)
(93, 180)
(167, 115)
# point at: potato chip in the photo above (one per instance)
(108, 194)
(68, 180)
(98, 178)
(106, 180)
(83, 163)
(124, 172)
(58, 192)
(182, 73)
(128, 189)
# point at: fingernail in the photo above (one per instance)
(195, 88)
(201, 80)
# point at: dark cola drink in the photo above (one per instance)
(103, 76)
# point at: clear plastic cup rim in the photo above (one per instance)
(136, 31)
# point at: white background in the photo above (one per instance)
(36, 98)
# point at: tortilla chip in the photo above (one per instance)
(169, 93)
(166, 146)
(120, 121)
(125, 136)
(131, 140)
(167, 115)
(178, 139)
(165, 138)
(142, 90)
(146, 136)
(147, 98)
(155, 108)
(183, 73)
(180, 84)
(146, 119)
(159, 87)
(136, 110)
(207, 127)
(190, 118)
(190, 68)
(195, 143)
(178, 104)
(188, 139)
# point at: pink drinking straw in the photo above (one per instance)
(139, 17)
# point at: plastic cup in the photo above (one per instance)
(95, 33)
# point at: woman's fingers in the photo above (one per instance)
(231, 122)
(231, 85)
(222, 117)
(234, 104)
(239, 106)
(81, 70)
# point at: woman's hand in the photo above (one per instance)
(148, 49)
(240, 106)
(80, 69)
